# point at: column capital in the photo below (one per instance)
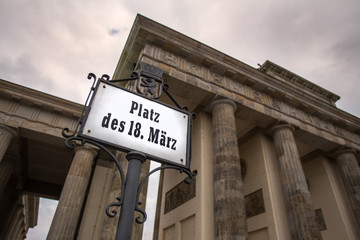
(223, 101)
(343, 149)
(278, 126)
(8, 129)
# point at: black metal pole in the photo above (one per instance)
(126, 218)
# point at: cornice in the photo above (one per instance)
(295, 80)
(43, 100)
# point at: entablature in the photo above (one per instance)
(276, 104)
(34, 97)
(311, 108)
(30, 109)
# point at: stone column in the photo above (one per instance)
(350, 173)
(20, 226)
(7, 167)
(72, 196)
(16, 221)
(229, 204)
(6, 135)
(298, 204)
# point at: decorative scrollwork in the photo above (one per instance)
(193, 115)
(113, 212)
(91, 76)
(66, 131)
(70, 142)
(105, 77)
(138, 219)
(190, 177)
(134, 75)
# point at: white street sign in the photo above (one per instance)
(132, 122)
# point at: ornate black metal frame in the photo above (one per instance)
(73, 139)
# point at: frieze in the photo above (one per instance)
(339, 131)
(194, 69)
(248, 92)
(169, 58)
(354, 137)
(35, 112)
(55, 119)
(258, 96)
(274, 103)
(3, 118)
(312, 120)
(267, 99)
(327, 126)
(13, 107)
(236, 87)
(294, 113)
(290, 110)
(31, 116)
(308, 118)
(73, 125)
(151, 51)
(218, 78)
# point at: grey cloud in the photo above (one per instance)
(347, 49)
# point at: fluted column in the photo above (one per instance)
(72, 196)
(6, 135)
(15, 222)
(298, 204)
(7, 167)
(350, 173)
(229, 204)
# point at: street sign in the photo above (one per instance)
(132, 122)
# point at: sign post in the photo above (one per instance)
(136, 123)
(126, 218)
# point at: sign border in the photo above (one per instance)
(125, 149)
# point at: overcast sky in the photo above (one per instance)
(51, 45)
